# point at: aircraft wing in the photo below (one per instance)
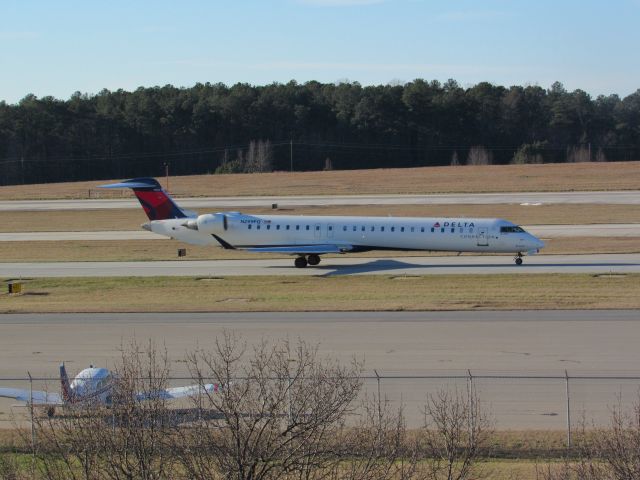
(179, 392)
(304, 249)
(39, 397)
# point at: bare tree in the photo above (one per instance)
(479, 155)
(125, 439)
(377, 447)
(578, 154)
(455, 162)
(278, 406)
(600, 156)
(259, 157)
(455, 432)
(619, 445)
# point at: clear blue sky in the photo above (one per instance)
(58, 47)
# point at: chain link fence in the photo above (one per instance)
(515, 402)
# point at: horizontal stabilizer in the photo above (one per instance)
(303, 249)
(180, 392)
(135, 183)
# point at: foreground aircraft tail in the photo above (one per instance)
(157, 203)
(65, 386)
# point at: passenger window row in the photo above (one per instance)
(363, 228)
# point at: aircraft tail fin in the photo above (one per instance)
(67, 394)
(157, 203)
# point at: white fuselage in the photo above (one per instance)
(357, 233)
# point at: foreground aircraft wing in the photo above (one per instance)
(179, 392)
(303, 249)
(37, 396)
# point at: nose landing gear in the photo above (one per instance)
(518, 258)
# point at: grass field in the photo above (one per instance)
(514, 454)
(353, 293)
(131, 219)
(467, 179)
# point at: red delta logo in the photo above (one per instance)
(436, 225)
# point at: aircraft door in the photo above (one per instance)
(329, 231)
(483, 237)
(317, 231)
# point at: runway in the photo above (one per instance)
(447, 265)
(531, 198)
(436, 344)
(542, 231)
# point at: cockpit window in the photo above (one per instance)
(511, 230)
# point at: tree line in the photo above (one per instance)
(212, 128)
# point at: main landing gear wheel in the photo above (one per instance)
(313, 259)
(300, 262)
(518, 259)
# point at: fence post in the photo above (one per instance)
(33, 427)
(566, 380)
(471, 406)
(379, 410)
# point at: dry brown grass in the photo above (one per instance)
(131, 219)
(145, 250)
(468, 179)
(523, 451)
(342, 293)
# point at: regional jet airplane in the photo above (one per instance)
(308, 237)
(96, 385)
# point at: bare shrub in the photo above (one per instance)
(455, 162)
(456, 431)
(600, 156)
(479, 155)
(279, 407)
(376, 447)
(611, 453)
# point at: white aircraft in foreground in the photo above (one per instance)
(308, 237)
(95, 385)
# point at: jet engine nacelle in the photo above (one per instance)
(209, 223)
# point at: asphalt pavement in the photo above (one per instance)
(631, 197)
(343, 265)
(442, 348)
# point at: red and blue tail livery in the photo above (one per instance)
(157, 203)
